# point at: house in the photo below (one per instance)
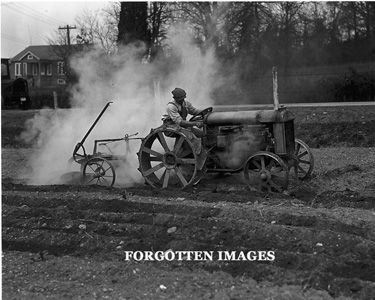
(44, 69)
(42, 66)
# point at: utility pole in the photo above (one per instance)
(67, 28)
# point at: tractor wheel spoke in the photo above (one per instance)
(262, 162)
(278, 175)
(90, 166)
(181, 176)
(91, 180)
(163, 142)
(256, 164)
(105, 181)
(154, 169)
(153, 152)
(154, 158)
(166, 179)
(187, 161)
(297, 149)
(162, 176)
(302, 154)
(253, 172)
(304, 161)
(178, 144)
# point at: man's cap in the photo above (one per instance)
(178, 93)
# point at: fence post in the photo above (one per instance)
(55, 104)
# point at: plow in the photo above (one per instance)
(260, 144)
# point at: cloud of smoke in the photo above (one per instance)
(139, 101)
(239, 146)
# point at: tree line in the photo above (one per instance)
(263, 33)
(252, 35)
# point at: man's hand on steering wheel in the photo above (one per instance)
(198, 124)
(200, 115)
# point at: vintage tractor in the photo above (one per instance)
(259, 143)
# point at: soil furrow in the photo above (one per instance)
(118, 210)
(304, 264)
(217, 231)
(108, 205)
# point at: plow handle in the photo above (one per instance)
(96, 121)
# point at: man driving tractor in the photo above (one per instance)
(177, 111)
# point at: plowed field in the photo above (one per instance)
(69, 241)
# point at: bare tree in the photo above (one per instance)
(99, 28)
(205, 18)
(287, 16)
(160, 15)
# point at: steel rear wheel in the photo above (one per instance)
(99, 171)
(303, 161)
(265, 171)
(167, 159)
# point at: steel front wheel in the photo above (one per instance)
(99, 171)
(303, 160)
(167, 158)
(265, 171)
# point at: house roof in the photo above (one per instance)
(42, 52)
(45, 52)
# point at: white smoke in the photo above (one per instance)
(138, 104)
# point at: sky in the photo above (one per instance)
(25, 23)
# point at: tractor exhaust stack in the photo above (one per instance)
(275, 89)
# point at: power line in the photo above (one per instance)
(31, 16)
(37, 18)
(26, 10)
(35, 15)
(42, 14)
(11, 37)
(13, 40)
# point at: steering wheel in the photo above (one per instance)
(200, 116)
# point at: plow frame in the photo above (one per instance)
(97, 168)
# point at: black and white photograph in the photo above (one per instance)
(188, 150)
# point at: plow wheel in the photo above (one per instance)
(303, 161)
(98, 171)
(167, 158)
(266, 171)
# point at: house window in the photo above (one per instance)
(18, 69)
(60, 68)
(49, 69)
(24, 69)
(30, 56)
(61, 81)
(34, 68)
(46, 69)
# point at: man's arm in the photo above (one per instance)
(191, 109)
(191, 124)
(176, 118)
